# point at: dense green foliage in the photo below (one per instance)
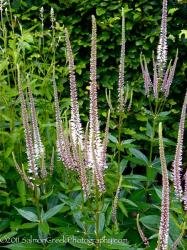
(64, 212)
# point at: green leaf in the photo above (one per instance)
(101, 222)
(22, 192)
(117, 245)
(51, 212)
(28, 225)
(28, 215)
(150, 221)
(183, 32)
(172, 10)
(2, 182)
(100, 11)
(44, 227)
(58, 246)
(138, 154)
(123, 165)
(24, 246)
(158, 192)
(113, 138)
(123, 209)
(135, 177)
(45, 196)
(80, 242)
(149, 131)
(4, 223)
(128, 202)
(7, 236)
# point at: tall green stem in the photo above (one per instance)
(152, 139)
(119, 141)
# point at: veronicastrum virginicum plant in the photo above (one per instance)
(84, 152)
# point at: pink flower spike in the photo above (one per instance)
(146, 76)
(171, 76)
(164, 221)
(76, 127)
(63, 146)
(162, 45)
(121, 67)
(28, 134)
(177, 163)
(38, 145)
(95, 145)
(185, 191)
(155, 81)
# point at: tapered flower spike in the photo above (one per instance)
(115, 203)
(141, 233)
(76, 127)
(105, 142)
(22, 174)
(121, 67)
(146, 76)
(130, 102)
(177, 163)
(63, 146)
(162, 46)
(164, 221)
(52, 163)
(170, 76)
(95, 146)
(162, 78)
(28, 135)
(38, 145)
(165, 79)
(155, 80)
(185, 191)
(78, 155)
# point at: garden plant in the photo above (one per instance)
(91, 160)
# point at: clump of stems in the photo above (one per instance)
(34, 146)
(81, 151)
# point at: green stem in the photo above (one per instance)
(36, 199)
(119, 141)
(152, 139)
